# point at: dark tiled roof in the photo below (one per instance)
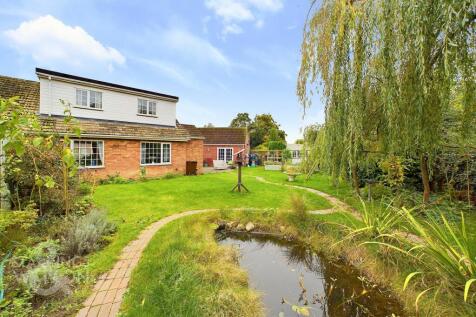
(27, 90)
(29, 93)
(192, 130)
(117, 130)
(103, 83)
(224, 135)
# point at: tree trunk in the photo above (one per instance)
(425, 177)
(355, 179)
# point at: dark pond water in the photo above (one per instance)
(280, 269)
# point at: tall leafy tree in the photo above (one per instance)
(262, 127)
(389, 70)
(242, 120)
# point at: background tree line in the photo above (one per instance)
(264, 131)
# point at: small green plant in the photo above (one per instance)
(15, 226)
(446, 250)
(85, 188)
(170, 176)
(46, 251)
(46, 279)
(377, 220)
(394, 171)
(113, 179)
(299, 206)
(142, 172)
(2, 268)
(442, 251)
(85, 234)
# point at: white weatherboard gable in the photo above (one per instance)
(116, 105)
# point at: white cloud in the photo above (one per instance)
(191, 46)
(267, 5)
(232, 29)
(49, 40)
(230, 10)
(170, 70)
(236, 11)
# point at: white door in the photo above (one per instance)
(225, 154)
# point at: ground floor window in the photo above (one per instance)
(154, 153)
(88, 153)
(225, 154)
(296, 153)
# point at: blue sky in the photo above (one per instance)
(219, 56)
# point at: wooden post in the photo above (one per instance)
(239, 185)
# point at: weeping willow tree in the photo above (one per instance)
(388, 70)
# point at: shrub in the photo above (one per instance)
(444, 251)
(15, 226)
(142, 172)
(46, 279)
(292, 169)
(394, 170)
(170, 176)
(85, 188)
(299, 206)
(377, 191)
(276, 145)
(21, 220)
(114, 179)
(45, 189)
(46, 251)
(85, 234)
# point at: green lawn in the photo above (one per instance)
(318, 181)
(194, 277)
(135, 205)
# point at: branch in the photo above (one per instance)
(439, 50)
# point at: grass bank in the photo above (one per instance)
(184, 272)
(443, 294)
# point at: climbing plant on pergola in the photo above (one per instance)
(389, 70)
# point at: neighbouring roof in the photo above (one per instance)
(27, 90)
(294, 147)
(29, 93)
(192, 130)
(224, 135)
(47, 72)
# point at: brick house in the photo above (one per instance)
(124, 130)
(223, 143)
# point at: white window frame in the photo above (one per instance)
(161, 154)
(296, 154)
(149, 104)
(88, 99)
(224, 148)
(88, 140)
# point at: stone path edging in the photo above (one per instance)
(106, 299)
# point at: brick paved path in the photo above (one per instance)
(108, 292)
(106, 298)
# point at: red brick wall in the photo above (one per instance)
(210, 152)
(123, 157)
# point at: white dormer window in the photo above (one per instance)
(95, 99)
(146, 107)
(88, 99)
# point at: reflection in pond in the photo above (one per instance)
(294, 279)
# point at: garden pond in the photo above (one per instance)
(296, 281)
